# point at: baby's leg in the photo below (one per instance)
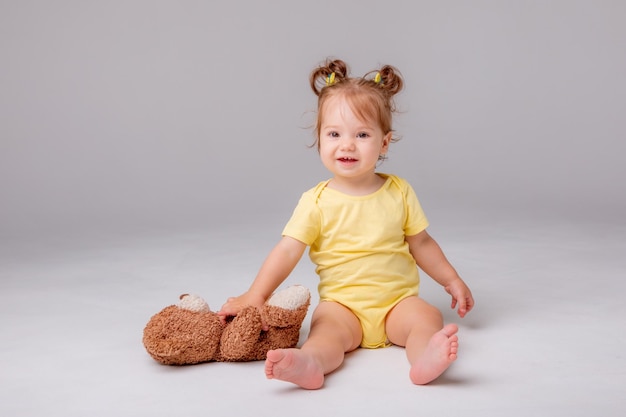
(334, 331)
(430, 347)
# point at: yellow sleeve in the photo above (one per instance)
(304, 224)
(416, 220)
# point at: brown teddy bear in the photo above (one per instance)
(190, 333)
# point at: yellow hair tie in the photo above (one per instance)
(377, 78)
(330, 79)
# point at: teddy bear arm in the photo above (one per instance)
(240, 339)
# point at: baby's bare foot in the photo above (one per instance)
(293, 365)
(438, 356)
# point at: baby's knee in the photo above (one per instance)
(432, 313)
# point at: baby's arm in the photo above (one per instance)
(431, 259)
(277, 266)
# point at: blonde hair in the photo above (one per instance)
(370, 97)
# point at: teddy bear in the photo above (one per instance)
(189, 332)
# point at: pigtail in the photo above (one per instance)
(331, 72)
(388, 79)
(392, 80)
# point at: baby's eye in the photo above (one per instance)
(363, 135)
(333, 134)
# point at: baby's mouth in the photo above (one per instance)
(347, 159)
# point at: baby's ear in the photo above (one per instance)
(386, 141)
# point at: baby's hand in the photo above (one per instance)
(461, 295)
(234, 305)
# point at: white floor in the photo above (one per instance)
(546, 338)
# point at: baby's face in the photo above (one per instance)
(349, 146)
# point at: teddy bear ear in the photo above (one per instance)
(287, 308)
(193, 302)
(291, 298)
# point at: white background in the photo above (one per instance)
(158, 113)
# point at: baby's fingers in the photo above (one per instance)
(460, 302)
(469, 304)
(465, 306)
(230, 308)
(462, 310)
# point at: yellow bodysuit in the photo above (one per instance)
(358, 246)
